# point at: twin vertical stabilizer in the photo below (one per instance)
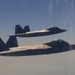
(19, 29)
(12, 42)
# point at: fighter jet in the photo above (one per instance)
(12, 42)
(27, 33)
(55, 46)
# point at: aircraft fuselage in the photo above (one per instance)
(38, 33)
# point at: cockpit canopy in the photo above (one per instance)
(58, 43)
(53, 28)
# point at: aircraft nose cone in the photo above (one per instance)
(63, 30)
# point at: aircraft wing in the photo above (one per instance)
(25, 48)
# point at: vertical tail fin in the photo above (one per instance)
(12, 42)
(18, 29)
(2, 45)
(26, 29)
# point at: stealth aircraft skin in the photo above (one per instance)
(55, 46)
(27, 33)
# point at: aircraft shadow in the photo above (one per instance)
(38, 52)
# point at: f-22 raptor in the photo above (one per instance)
(55, 46)
(27, 33)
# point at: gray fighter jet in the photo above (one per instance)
(27, 33)
(55, 46)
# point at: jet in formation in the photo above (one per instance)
(11, 47)
(20, 32)
(55, 46)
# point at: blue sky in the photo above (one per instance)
(38, 14)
